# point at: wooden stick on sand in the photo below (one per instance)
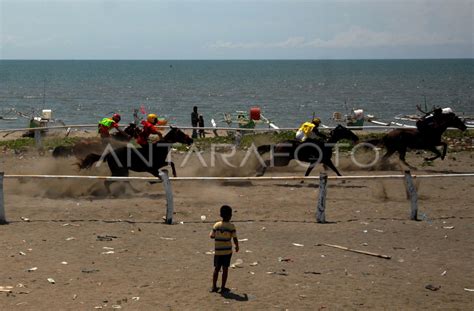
(355, 250)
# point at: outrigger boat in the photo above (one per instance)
(8, 115)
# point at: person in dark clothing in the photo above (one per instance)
(194, 121)
(429, 122)
(202, 134)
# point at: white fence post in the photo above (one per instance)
(321, 209)
(169, 196)
(412, 195)
(2, 204)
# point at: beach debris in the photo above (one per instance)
(251, 272)
(365, 231)
(108, 253)
(243, 240)
(32, 269)
(210, 253)
(74, 297)
(22, 253)
(116, 307)
(378, 230)
(89, 270)
(168, 239)
(448, 227)
(263, 228)
(237, 264)
(365, 244)
(135, 298)
(469, 289)
(296, 244)
(203, 217)
(6, 289)
(51, 280)
(311, 272)
(68, 224)
(432, 287)
(282, 272)
(248, 251)
(70, 238)
(444, 273)
(253, 264)
(354, 250)
(281, 259)
(25, 219)
(64, 262)
(106, 237)
(181, 222)
(108, 248)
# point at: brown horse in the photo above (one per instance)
(400, 140)
(149, 159)
(311, 151)
(94, 145)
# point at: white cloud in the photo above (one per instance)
(355, 37)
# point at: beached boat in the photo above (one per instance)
(356, 117)
(244, 119)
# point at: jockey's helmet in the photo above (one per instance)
(116, 117)
(152, 118)
(316, 121)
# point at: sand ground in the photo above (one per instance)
(114, 251)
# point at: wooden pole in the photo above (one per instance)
(355, 250)
(412, 195)
(2, 203)
(321, 208)
(38, 142)
(169, 196)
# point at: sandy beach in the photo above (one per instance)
(71, 246)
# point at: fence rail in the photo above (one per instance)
(166, 181)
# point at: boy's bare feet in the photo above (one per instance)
(225, 290)
(214, 289)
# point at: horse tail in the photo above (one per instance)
(63, 151)
(263, 149)
(89, 160)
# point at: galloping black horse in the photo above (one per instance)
(310, 151)
(399, 140)
(150, 159)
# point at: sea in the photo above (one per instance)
(287, 92)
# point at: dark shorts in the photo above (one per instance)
(222, 260)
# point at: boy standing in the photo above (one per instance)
(223, 232)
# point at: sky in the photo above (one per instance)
(236, 29)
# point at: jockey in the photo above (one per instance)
(430, 122)
(106, 124)
(149, 128)
(310, 130)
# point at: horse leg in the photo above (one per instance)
(445, 148)
(173, 169)
(332, 166)
(119, 173)
(310, 168)
(402, 152)
(436, 152)
(262, 169)
(387, 155)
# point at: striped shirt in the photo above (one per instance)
(223, 233)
